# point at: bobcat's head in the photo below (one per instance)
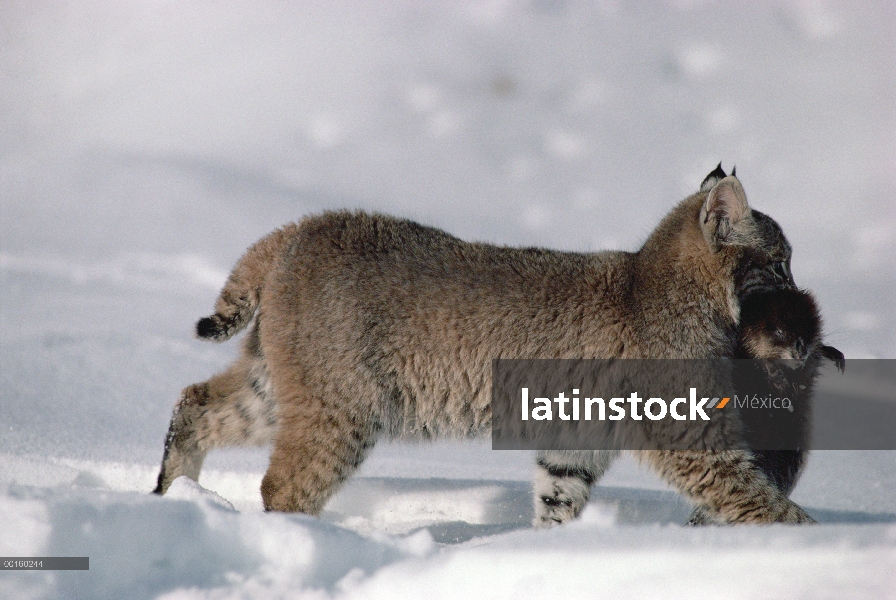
(751, 242)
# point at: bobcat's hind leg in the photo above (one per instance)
(316, 449)
(233, 408)
(563, 480)
(727, 484)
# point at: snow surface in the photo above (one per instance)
(145, 145)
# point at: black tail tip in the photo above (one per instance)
(208, 328)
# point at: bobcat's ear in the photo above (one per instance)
(725, 207)
(713, 178)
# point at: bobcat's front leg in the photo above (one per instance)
(563, 480)
(727, 485)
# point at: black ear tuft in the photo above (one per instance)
(713, 178)
(734, 171)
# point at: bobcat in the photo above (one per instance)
(365, 326)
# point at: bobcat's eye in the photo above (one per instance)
(781, 272)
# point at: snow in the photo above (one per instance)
(145, 145)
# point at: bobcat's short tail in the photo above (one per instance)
(239, 299)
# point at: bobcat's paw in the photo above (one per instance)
(701, 517)
(795, 514)
(560, 501)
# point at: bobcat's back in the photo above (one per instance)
(407, 319)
